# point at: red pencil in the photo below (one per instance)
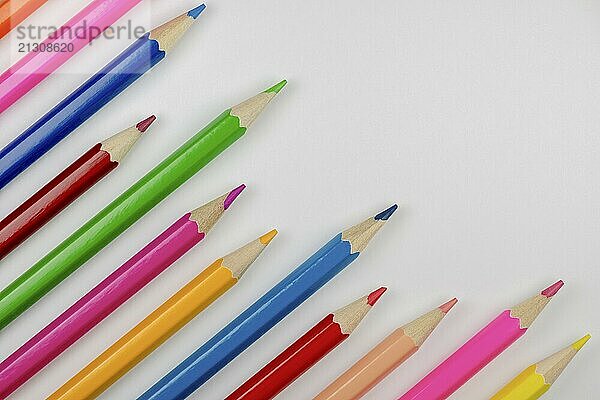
(306, 351)
(61, 191)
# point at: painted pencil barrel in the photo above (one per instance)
(239, 334)
(97, 304)
(91, 382)
(292, 363)
(118, 216)
(371, 369)
(53, 198)
(36, 66)
(529, 385)
(78, 107)
(13, 12)
(473, 356)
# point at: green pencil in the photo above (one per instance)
(119, 215)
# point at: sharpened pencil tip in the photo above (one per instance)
(233, 195)
(145, 124)
(195, 13)
(385, 215)
(553, 289)
(267, 237)
(374, 296)
(578, 345)
(277, 88)
(446, 307)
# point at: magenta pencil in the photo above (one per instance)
(111, 293)
(481, 349)
(51, 54)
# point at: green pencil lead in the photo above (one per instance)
(277, 88)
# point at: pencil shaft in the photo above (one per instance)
(118, 216)
(78, 107)
(371, 369)
(292, 362)
(255, 321)
(98, 303)
(148, 335)
(528, 385)
(473, 356)
(50, 200)
(73, 36)
(13, 12)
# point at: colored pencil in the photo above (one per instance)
(536, 380)
(13, 12)
(90, 97)
(267, 311)
(111, 293)
(73, 36)
(140, 198)
(305, 352)
(162, 323)
(61, 191)
(385, 357)
(481, 349)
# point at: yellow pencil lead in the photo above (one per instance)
(578, 345)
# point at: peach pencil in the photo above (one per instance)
(388, 355)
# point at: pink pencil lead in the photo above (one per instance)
(553, 289)
(233, 195)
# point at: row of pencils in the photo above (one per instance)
(184, 234)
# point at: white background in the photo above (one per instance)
(480, 118)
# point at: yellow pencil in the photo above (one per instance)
(532, 383)
(162, 323)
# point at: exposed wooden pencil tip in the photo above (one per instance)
(386, 214)
(145, 124)
(446, 307)
(277, 88)
(240, 260)
(207, 215)
(553, 289)
(374, 296)
(248, 111)
(233, 195)
(195, 13)
(578, 345)
(267, 237)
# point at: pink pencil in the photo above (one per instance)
(112, 292)
(481, 349)
(87, 25)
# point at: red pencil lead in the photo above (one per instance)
(553, 289)
(145, 124)
(448, 306)
(373, 297)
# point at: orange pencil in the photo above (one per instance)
(385, 357)
(13, 12)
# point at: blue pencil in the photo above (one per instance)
(267, 311)
(90, 97)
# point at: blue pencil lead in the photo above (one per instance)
(385, 215)
(195, 13)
